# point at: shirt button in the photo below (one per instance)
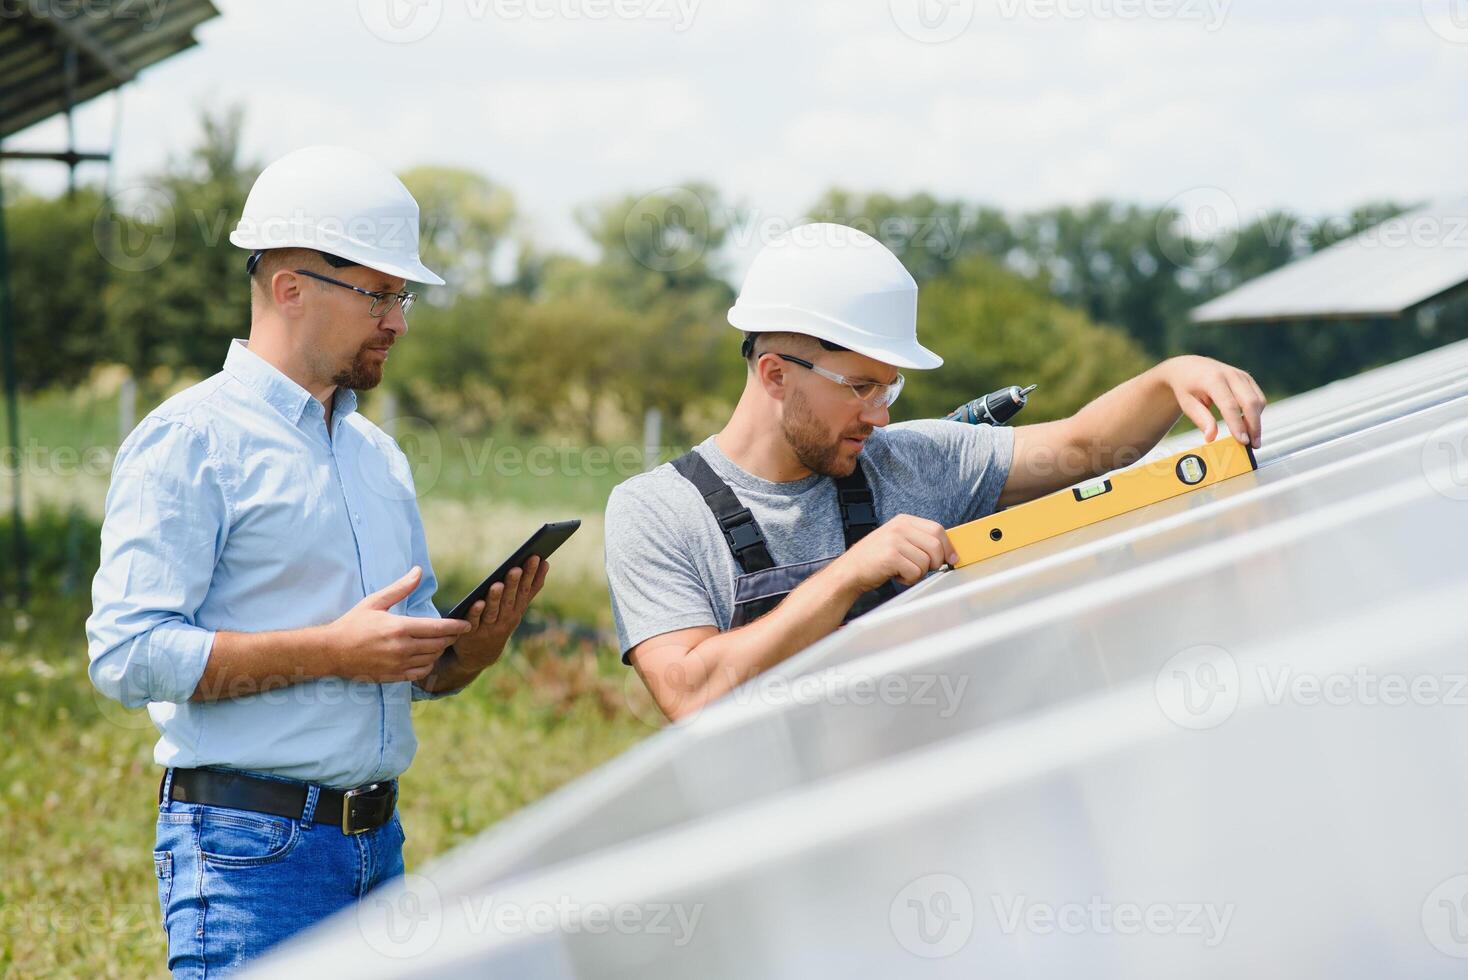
(357, 518)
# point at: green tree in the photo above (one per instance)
(670, 239)
(464, 221)
(927, 234)
(660, 259)
(1110, 261)
(175, 301)
(994, 328)
(57, 278)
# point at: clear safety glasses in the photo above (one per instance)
(871, 393)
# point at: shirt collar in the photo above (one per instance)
(345, 404)
(280, 392)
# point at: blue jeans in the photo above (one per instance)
(233, 883)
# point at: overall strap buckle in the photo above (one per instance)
(741, 530)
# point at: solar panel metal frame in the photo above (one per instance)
(112, 47)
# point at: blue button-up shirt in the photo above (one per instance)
(231, 509)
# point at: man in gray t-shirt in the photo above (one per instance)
(673, 568)
(807, 509)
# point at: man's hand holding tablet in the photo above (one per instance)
(494, 609)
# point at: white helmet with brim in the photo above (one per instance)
(339, 201)
(837, 284)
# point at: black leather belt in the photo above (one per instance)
(355, 811)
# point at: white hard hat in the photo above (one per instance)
(339, 201)
(839, 285)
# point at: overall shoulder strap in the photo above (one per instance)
(741, 530)
(858, 519)
(858, 507)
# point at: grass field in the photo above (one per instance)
(77, 780)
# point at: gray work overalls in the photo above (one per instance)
(763, 584)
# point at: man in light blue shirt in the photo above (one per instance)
(265, 587)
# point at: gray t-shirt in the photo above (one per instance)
(670, 568)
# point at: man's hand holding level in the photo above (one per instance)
(1201, 383)
(905, 548)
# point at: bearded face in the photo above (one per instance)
(818, 448)
(365, 370)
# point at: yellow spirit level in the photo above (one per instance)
(1127, 490)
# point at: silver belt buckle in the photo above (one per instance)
(347, 807)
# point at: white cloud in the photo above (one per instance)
(1313, 106)
(552, 115)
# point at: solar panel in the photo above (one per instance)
(1209, 734)
(113, 40)
(1383, 272)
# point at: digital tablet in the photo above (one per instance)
(542, 544)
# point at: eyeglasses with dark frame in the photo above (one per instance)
(382, 301)
(874, 394)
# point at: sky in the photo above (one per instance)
(1242, 105)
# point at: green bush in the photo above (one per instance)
(995, 329)
(63, 549)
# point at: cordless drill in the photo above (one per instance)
(995, 408)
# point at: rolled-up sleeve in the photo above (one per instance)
(166, 521)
